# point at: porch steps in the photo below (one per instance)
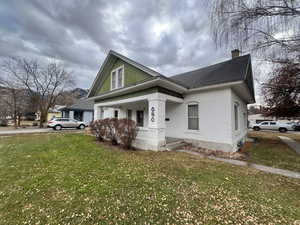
(174, 145)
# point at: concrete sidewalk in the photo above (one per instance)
(34, 131)
(291, 143)
(267, 169)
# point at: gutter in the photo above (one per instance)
(216, 86)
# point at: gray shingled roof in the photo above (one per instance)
(82, 104)
(228, 71)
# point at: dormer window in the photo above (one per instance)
(117, 78)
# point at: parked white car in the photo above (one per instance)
(59, 123)
(273, 125)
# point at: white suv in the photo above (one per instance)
(273, 125)
(59, 123)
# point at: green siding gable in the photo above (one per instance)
(132, 75)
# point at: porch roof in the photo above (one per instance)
(82, 105)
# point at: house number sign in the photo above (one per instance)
(152, 114)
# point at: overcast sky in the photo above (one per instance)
(168, 36)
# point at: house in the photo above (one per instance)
(206, 107)
(83, 110)
(54, 112)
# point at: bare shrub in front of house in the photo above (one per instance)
(117, 131)
(98, 129)
(126, 132)
(111, 125)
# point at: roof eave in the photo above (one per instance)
(158, 81)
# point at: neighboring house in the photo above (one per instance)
(54, 112)
(83, 110)
(207, 107)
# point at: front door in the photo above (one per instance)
(140, 118)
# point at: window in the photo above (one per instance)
(117, 78)
(120, 77)
(62, 120)
(113, 80)
(116, 114)
(193, 118)
(245, 120)
(272, 123)
(236, 116)
(101, 113)
(129, 114)
(265, 123)
(140, 118)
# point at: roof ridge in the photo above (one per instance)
(205, 67)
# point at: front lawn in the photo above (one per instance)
(269, 150)
(70, 179)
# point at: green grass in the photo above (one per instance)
(269, 150)
(70, 179)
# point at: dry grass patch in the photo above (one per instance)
(269, 150)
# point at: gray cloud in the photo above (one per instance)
(169, 36)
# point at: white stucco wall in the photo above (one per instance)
(87, 116)
(214, 119)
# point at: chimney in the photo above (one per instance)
(235, 53)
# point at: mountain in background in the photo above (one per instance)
(70, 97)
(79, 93)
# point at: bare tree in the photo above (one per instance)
(13, 98)
(264, 26)
(43, 83)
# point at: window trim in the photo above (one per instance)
(190, 104)
(117, 78)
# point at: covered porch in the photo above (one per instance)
(148, 111)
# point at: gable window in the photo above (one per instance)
(117, 78)
(236, 116)
(193, 117)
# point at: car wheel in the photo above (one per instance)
(256, 128)
(58, 127)
(81, 126)
(282, 130)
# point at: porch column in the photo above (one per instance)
(156, 119)
(71, 115)
(96, 112)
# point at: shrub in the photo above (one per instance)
(126, 132)
(115, 130)
(98, 129)
(111, 129)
